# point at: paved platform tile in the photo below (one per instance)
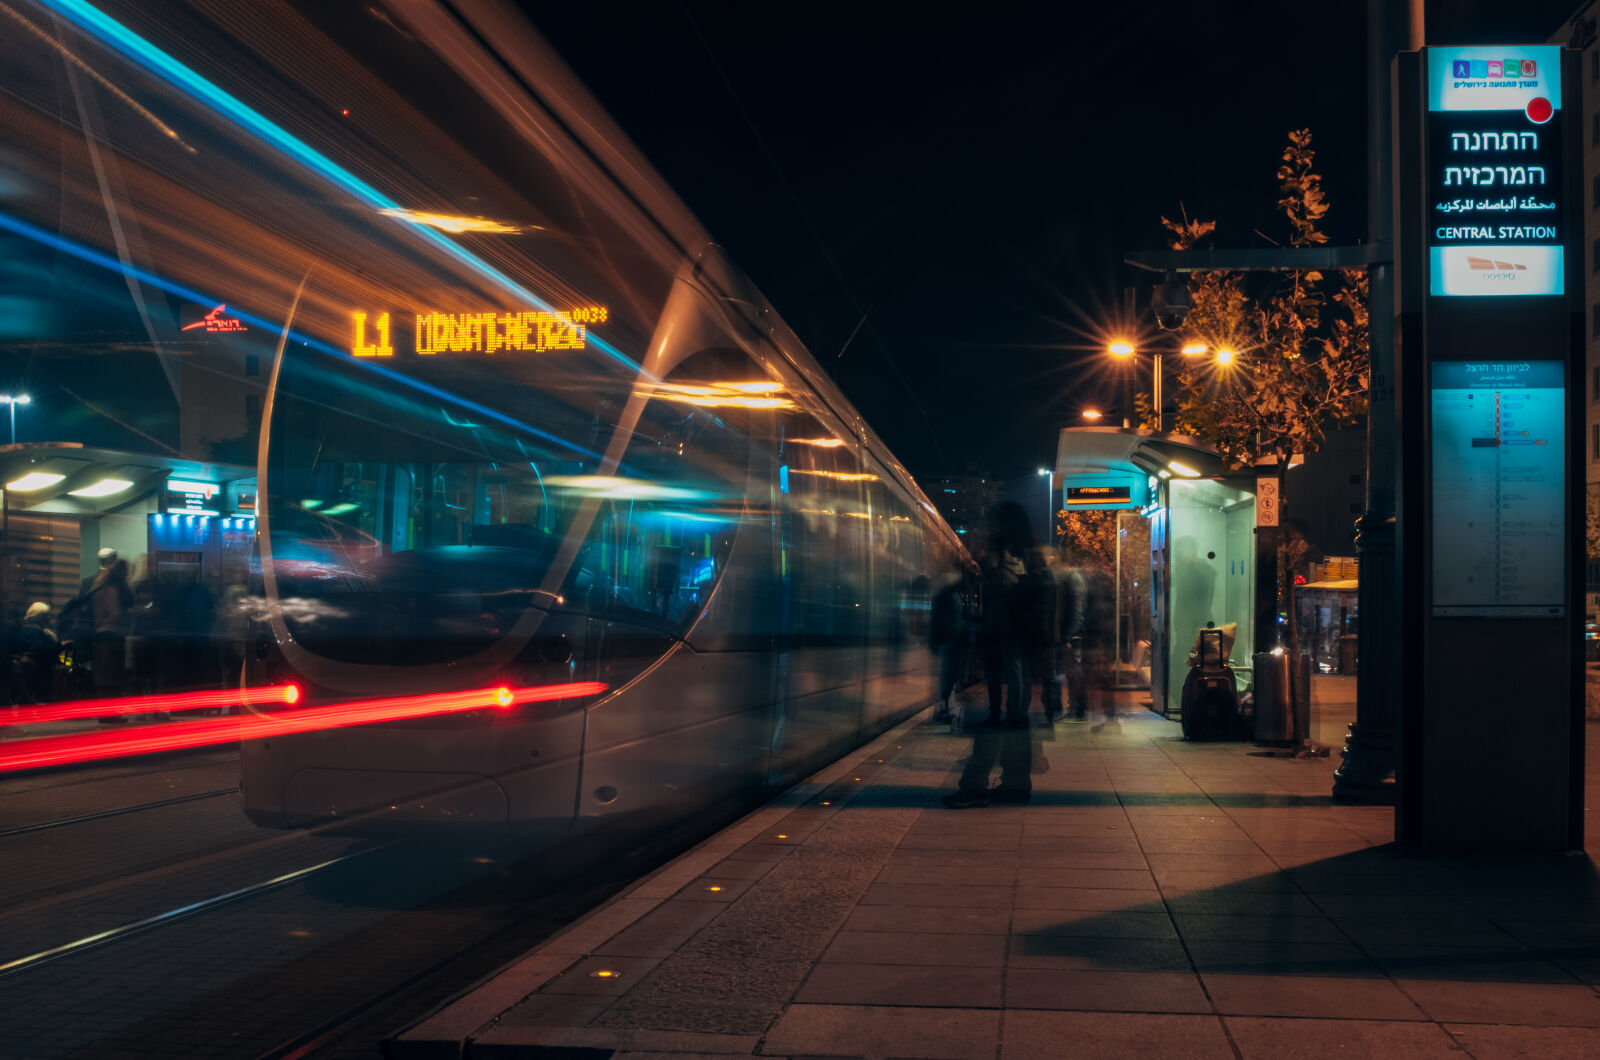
(1103, 898)
(1280, 958)
(1468, 963)
(1093, 923)
(1244, 928)
(1104, 991)
(927, 894)
(1527, 1004)
(1081, 953)
(1318, 1039)
(899, 947)
(965, 875)
(1258, 995)
(1029, 1035)
(662, 930)
(981, 920)
(1488, 1042)
(948, 986)
(856, 1030)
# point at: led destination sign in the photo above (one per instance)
(1099, 494)
(1494, 194)
(529, 331)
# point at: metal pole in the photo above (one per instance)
(1116, 594)
(1156, 391)
(1050, 507)
(1370, 747)
(13, 404)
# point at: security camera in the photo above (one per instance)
(1171, 303)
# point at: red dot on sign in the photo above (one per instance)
(1540, 110)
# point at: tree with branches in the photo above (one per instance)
(1299, 361)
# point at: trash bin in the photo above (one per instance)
(1276, 722)
(1274, 719)
(1347, 654)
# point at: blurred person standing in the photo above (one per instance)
(1009, 633)
(112, 601)
(947, 635)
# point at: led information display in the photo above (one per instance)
(1099, 494)
(531, 331)
(1499, 489)
(1494, 196)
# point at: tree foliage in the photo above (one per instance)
(1300, 345)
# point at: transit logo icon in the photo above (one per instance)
(1460, 68)
(1495, 68)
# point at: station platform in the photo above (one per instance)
(1155, 898)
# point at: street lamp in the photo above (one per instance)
(1049, 501)
(1123, 350)
(1092, 415)
(14, 400)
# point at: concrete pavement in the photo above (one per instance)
(1156, 898)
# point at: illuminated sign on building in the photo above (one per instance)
(190, 496)
(529, 331)
(1494, 189)
(215, 321)
(1098, 494)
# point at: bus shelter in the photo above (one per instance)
(1180, 548)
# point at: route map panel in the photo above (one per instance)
(1498, 489)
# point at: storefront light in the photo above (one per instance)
(104, 488)
(34, 480)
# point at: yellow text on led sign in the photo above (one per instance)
(528, 331)
(531, 332)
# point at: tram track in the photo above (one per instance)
(106, 938)
(120, 811)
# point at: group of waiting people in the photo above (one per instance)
(1041, 619)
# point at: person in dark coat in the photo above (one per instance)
(112, 602)
(1009, 629)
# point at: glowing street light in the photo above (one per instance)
(14, 400)
(1121, 348)
(1195, 349)
(1225, 356)
(1092, 414)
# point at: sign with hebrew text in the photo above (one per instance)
(1493, 171)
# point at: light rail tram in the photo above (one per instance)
(513, 419)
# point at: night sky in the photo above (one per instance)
(970, 179)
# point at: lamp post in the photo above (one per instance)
(14, 400)
(1049, 501)
(1123, 350)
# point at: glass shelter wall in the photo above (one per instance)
(1206, 560)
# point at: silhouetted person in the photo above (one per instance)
(1010, 609)
(34, 648)
(111, 599)
(1074, 613)
(1099, 636)
(947, 635)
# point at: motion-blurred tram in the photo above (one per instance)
(519, 422)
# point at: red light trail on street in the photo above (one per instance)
(168, 701)
(75, 748)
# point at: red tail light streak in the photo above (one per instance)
(104, 708)
(75, 748)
